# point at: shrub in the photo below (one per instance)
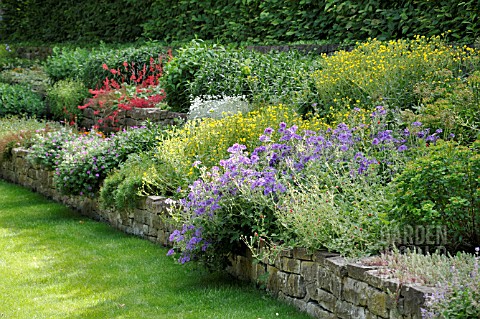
(20, 100)
(270, 78)
(442, 188)
(116, 97)
(64, 97)
(121, 188)
(378, 72)
(450, 103)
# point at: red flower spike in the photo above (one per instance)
(104, 66)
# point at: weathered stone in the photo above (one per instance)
(326, 300)
(308, 269)
(329, 281)
(295, 286)
(346, 310)
(377, 302)
(314, 310)
(290, 265)
(355, 292)
(302, 253)
(357, 271)
(337, 265)
(414, 299)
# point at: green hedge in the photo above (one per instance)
(250, 21)
(70, 20)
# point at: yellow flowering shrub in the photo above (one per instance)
(207, 141)
(378, 72)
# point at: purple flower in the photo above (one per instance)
(417, 124)
(375, 141)
(268, 131)
(170, 252)
(402, 148)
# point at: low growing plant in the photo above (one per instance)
(20, 100)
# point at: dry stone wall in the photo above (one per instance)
(135, 117)
(322, 284)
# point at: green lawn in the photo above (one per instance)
(55, 263)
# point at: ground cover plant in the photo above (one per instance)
(69, 266)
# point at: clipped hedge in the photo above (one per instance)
(69, 20)
(250, 21)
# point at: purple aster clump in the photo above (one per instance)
(238, 197)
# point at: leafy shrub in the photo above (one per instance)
(442, 188)
(20, 100)
(207, 141)
(63, 21)
(86, 64)
(67, 63)
(451, 103)
(274, 192)
(64, 97)
(85, 161)
(33, 77)
(266, 78)
(121, 188)
(269, 78)
(378, 72)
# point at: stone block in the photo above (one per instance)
(276, 280)
(290, 265)
(326, 300)
(302, 253)
(314, 310)
(355, 291)
(308, 269)
(295, 286)
(346, 310)
(414, 299)
(329, 281)
(377, 302)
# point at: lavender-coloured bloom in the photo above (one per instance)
(402, 148)
(170, 252)
(375, 141)
(417, 124)
(268, 131)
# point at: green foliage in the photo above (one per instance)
(378, 72)
(86, 64)
(261, 78)
(252, 21)
(449, 103)
(64, 97)
(121, 188)
(443, 188)
(68, 20)
(33, 77)
(47, 146)
(20, 100)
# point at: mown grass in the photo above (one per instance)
(55, 263)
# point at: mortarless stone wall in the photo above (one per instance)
(322, 284)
